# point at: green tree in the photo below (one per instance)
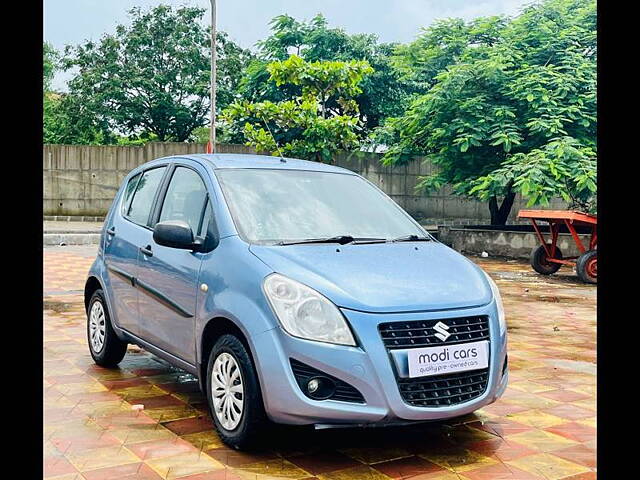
(383, 93)
(67, 121)
(63, 121)
(50, 100)
(50, 58)
(152, 77)
(305, 126)
(515, 112)
(443, 44)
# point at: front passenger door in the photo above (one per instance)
(168, 277)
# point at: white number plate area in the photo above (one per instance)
(445, 359)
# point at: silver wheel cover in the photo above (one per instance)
(97, 328)
(227, 391)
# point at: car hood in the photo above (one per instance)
(385, 277)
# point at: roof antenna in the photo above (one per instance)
(282, 159)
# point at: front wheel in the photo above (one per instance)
(540, 260)
(587, 266)
(106, 348)
(233, 393)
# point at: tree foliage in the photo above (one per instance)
(511, 110)
(153, 76)
(383, 93)
(67, 121)
(562, 167)
(50, 58)
(50, 101)
(305, 126)
(443, 44)
(64, 121)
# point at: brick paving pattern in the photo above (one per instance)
(544, 427)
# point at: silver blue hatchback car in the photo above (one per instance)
(296, 292)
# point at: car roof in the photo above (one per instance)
(243, 160)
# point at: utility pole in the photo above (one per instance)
(211, 147)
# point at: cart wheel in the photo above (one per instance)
(587, 266)
(540, 262)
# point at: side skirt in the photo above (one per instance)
(172, 359)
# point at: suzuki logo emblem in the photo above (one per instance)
(441, 328)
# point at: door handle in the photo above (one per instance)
(147, 251)
(112, 231)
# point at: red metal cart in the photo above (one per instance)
(547, 258)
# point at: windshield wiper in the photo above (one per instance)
(341, 239)
(411, 238)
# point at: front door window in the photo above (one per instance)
(185, 199)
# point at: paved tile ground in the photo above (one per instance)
(544, 427)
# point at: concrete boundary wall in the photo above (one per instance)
(500, 243)
(82, 180)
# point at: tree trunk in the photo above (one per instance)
(161, 135)
(505, 208)
(493, 208)
(499, 214)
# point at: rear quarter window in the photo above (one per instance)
(128, 192)
(145, 191)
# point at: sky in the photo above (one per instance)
(246, 21)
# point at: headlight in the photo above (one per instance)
(305, 313)
(496, 294)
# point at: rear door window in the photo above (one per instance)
(138, 211)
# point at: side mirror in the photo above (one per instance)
(174, 234)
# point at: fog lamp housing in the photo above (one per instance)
(313, 385)
(320, 388)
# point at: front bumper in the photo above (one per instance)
(368, 368)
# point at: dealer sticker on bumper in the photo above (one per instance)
(448, 359)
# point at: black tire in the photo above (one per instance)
(587, 266)
(539, 260)
(253, 422)
(113, 349)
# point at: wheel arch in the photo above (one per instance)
(212, 331)
(91, 285)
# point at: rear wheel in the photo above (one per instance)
(233, 392)
(540, 260)
(587, 266)
(106, 348)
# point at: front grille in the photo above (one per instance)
(420, 333)
(343, 391)
(438, 390)
(443, 390)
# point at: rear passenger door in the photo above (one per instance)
(124, 235)
(168, 277)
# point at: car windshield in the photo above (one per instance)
(281, 206)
